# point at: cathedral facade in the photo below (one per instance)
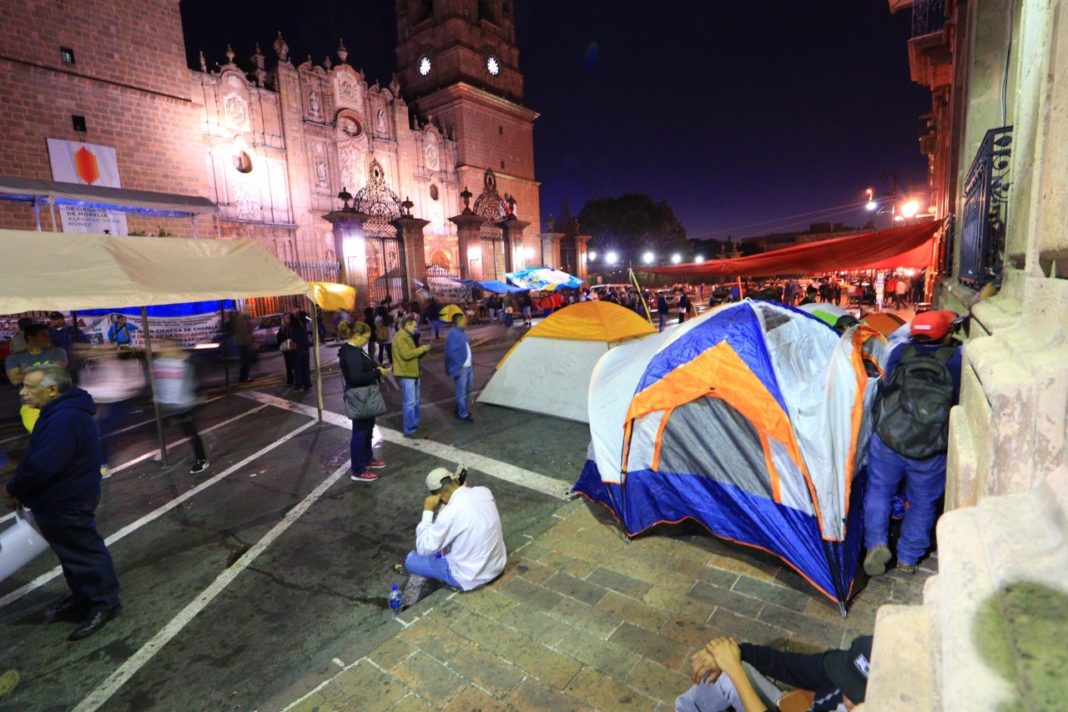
(437, 166)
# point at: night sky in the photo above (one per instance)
(737, 114)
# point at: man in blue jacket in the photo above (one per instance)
(59, 479)
(458, 364)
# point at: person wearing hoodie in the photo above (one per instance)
(59, 479)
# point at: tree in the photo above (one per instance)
(633, 221)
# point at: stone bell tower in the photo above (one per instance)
(458, 65)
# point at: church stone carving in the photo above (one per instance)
(236, 112)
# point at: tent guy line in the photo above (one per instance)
(494, 468)
(128, 669)
(159, 512)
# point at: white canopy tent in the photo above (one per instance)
(71, 271)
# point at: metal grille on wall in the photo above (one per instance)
(387, 276)
(984, 211)
(491, 206)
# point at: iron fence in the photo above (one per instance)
(985, 210)
(928, 16)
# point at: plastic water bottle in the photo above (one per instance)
(395, 598)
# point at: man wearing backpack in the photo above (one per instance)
(922, 384)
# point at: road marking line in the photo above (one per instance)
(142, 458)
(495, 468)
(156, 513)
(138, 660)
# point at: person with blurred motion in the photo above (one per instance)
(239, 329)
(39, 352)
(174, 386)
(59, 480)
(359, 370)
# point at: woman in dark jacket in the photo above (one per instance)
(359, 369)
(298, 331)
(287, 356)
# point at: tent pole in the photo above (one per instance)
(222, 328)
(641, 296)
(318, 372)
(152, 386)
(52, 213)
(37, 214)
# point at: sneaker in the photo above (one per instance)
(876, 560)
(365, 476)
(909, 569)
(376, 464)
(198, 467)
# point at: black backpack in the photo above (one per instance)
(912, 411)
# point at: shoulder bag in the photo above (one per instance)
(363, 402)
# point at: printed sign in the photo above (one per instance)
(87, 164)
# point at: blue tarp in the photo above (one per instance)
(490, 285)
(166, 310)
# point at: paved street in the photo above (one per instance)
(262, 584)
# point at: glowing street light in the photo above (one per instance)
(611, 258)
(909, 208)
(676, 258)
(871, 205)
(592, 255)
(699, 259)
(648, 257)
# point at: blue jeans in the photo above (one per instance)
(360, 444)
(463, 387)
(925, 481)
(410, 391)
(663, 320)
(435, 567)
(435, 327)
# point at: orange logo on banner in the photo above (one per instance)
(85, 165)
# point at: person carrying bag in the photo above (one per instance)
(363, 398)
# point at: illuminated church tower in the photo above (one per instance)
(458, 66)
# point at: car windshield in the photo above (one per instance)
(269, 322)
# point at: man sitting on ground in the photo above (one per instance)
(732, 676)
(461, 544)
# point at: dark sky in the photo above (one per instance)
(736, 113)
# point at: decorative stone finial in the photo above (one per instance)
(230, 54)
(281, 48)
(345, 197)
(327, 64)
(407, 205)
(258, 58)
(203, 62)
(466, 197)
(394, 86)
(342, 53)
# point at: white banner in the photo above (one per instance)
(187, 331)
(87, 164)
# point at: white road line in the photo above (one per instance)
(157, 513)
(495, 468)
(153, 453)
(138, 660)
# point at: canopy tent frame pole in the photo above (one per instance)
(318, 371)
(225, 360)
(37, 214)
(152, 386)
(641, 296)
(52, 212)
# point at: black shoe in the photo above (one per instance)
(467, 419)
(94, 622)
(69, 610)
(198, 467)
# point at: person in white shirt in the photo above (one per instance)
(461, 543)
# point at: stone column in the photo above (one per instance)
(550, 249)
(411, 233)
(350, 247)
(515, 253)
(469, 243)
(582, 248)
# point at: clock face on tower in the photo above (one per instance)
(424, 65)
(493, 65)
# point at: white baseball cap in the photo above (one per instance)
(437, 477)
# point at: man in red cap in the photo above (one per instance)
(922, 384)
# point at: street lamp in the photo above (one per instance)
(871, 205)
(611, 258)
(909, 208)
(648, 257)
(699, 259)
(591, 255)
(676, 258)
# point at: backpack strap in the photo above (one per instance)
(945, 354)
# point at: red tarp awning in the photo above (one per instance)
(908, 246)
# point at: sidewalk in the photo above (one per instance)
(582, 621)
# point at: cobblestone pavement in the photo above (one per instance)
(581, 620)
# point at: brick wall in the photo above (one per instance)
(138, 43)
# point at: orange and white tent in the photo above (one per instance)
(548, 370)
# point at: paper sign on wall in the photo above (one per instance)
(87, 164)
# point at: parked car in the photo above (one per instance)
(265, 331)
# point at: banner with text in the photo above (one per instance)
(87, 164)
